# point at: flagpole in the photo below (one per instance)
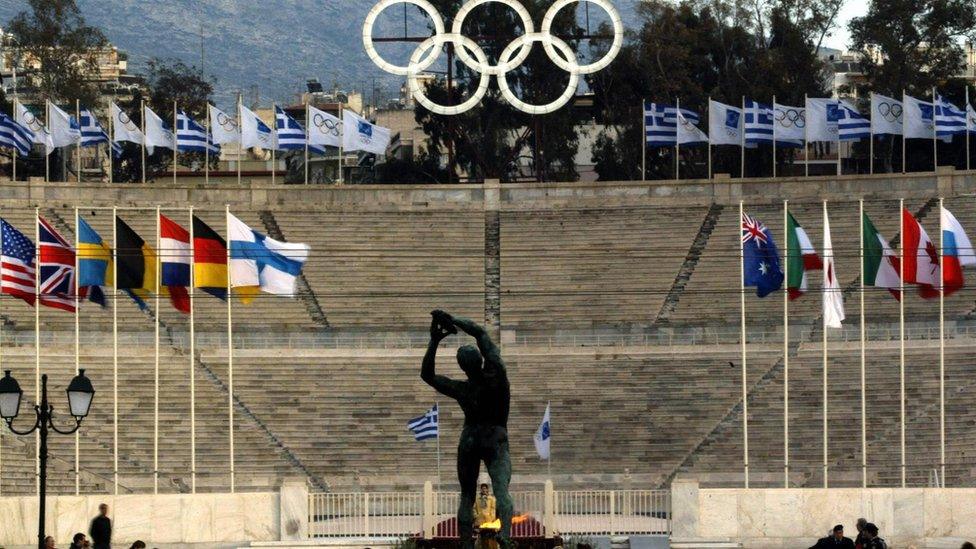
(742, 148)
(240, 152)
(176, 148)
(864, 414)
(47, 153)
(13, 176)
(78, 151)
(806, 142)
(37, 337)
(935, 132)
(871, 145)
(786, 345)
(206, 165)
(436, 405)
(342, 139)
(156, 361)
(230, 346)
(709, 138)
(77, 342)
(903, 141)
(643, 110)
(901, 339)
(824, 343)
(774, 137)
(308, 130)
(549, 457)
(274, 129)
(942, 437)
(193, 354)
(1, 353)
(677, 145)
(742, 324)
(968, 132)
(143, 116)
(115, 344)
(111, 141)
(840, 168)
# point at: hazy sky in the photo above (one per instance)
(852, 8)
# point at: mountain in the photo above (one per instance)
(265, 47)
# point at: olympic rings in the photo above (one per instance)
(127, 122)
(226, 122)
(890, 111)
(513, 55)
(325, 126)
(791, 118)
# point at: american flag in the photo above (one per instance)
(17, 263)
(57, 269)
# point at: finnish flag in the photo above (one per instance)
(359, 134)
(258, 261)
(542, 436)
(425, 426)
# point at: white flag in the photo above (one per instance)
(157, 134)
(63, 127)
(833, 298)
(542, 436)
(123, 128)
(688, 132)
(257, 260)
(223, 127)
(359, 134)
(26, 118)
(819, 126)
(789, 124)
(886, 115)
(255, 134)
(323, 128)
(724, 124)
(919, 118)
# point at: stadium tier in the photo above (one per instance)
(621, 310)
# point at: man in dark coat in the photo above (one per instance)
(101, 529)
(835, 541)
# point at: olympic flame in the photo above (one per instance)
(497, 523)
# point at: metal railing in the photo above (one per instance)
(540, 513)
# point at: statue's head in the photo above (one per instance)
(469, 358)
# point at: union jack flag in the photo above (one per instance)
(752, 228)
(57, 282)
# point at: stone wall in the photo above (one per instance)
(791, 518)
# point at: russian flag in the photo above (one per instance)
(174, 243)
(957, 252)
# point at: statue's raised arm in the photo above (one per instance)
(494, 366)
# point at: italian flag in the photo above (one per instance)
(881, 264)
(802, 257)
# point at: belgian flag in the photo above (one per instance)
(136, 262)
(209, 260)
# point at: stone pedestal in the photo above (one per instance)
(294, 510)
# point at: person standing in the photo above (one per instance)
(484, 507)
(835, 540)
(861, 540)
(101, 529)
(874, 541)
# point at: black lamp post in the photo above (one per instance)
(80, 395)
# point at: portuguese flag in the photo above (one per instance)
(881, 264)
(802, 257)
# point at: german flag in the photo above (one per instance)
(209, 260)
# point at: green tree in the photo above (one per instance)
(53, 35)
(492, 139)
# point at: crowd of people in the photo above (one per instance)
(868, 537)
(100, 531)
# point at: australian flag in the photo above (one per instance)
(760, 258)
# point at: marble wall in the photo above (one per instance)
(164, 519)
(781, 518)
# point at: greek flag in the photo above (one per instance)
(92, 133)
(291, 134)
(758, 123)
(971, 118)
(192, 137)
(851, 124)
(15, 136)
(949, 119)
(425, 426)
(661, 123)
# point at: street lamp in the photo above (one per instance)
(80, 394)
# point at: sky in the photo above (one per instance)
(851, 9)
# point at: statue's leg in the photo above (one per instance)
(500, 469)
(468, 466)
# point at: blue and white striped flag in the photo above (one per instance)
(15, 136)
(425, 426)
(92, 133)
(949, 119)
(758, 122)
(291, 134)
(851, 124)
(661, 123)
(191, 136)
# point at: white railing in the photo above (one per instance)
(542, 513)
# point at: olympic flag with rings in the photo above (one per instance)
(789, 124)
(123, 128)
(323, 128)
(511, 57)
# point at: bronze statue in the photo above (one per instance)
(485, 399)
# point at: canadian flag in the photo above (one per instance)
(921, 256)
